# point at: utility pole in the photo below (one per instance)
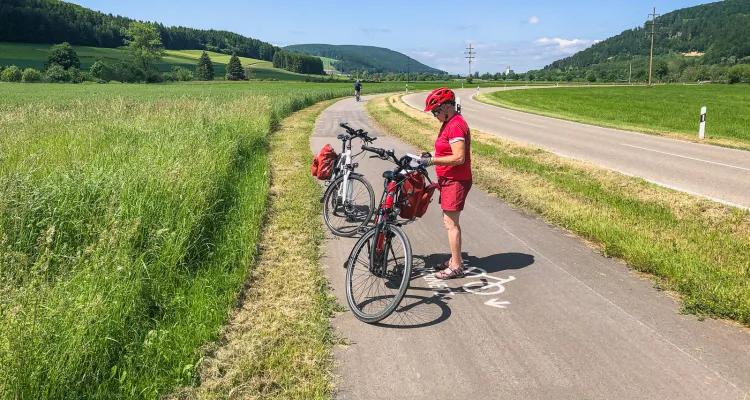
(651, 62)
(631, 73)
(470, 56)
(408, 70)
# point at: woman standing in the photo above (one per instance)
(452, 161)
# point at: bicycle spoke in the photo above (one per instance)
(377, 293)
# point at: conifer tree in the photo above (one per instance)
(235, 72)
(205, 69)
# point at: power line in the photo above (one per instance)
(651, 61)
(470, 56)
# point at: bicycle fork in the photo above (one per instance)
(378, 263)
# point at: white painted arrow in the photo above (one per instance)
(498, 304)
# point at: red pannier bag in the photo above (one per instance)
(322, 164)
(416, 195)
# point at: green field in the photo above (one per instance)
(672, 109)
(129, 221)
(328, 62)
(30, 55)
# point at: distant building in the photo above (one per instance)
(329, 71)
(508, 71)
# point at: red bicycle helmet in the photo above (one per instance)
(438, 97)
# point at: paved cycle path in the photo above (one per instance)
(551, 318)
(716, 172)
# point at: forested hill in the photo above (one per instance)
(365, 58)
(53, 21)
(721, 30)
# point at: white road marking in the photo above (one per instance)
(498, 304)
(666, 185)
(689, 158)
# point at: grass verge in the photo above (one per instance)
(695, 247)
(668, 110)
(278, 343)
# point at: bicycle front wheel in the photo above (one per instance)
(346, 213)
(378, 273)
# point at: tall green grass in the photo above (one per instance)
(129, 220)
(660, 109)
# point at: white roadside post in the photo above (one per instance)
(702, 130)
(407, 88)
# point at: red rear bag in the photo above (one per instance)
(322, 164)
(416, 195)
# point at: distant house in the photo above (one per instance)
(329, 71)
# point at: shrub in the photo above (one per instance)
(182, 74)
(101, 71)
(11, 74)
(31, 75)
(63, 55)
(57, 74)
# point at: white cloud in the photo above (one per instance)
(534, 20)
(565, 46)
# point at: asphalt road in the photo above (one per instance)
(711, 171)
(551, 318)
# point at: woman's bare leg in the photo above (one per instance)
(451, 222)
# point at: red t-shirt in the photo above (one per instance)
(452, 131)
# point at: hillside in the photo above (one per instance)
(350, 58)
(54, 21)
(32, 55)
(721, 30)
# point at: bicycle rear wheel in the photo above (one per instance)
(345, 215)
(377, 281)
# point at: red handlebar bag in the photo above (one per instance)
(322, 164)
(416, 196)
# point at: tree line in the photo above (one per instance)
(719, 33)
(50, 21)
(299, 63)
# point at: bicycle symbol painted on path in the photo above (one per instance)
(484, 285)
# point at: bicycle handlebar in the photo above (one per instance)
(357, 133)
(402, 164)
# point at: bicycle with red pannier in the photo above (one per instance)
(379, 265)
(349, 200)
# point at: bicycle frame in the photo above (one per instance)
(346, 153)
(344, 165)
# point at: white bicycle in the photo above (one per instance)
(349, 201)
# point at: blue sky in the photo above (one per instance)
(523, 34)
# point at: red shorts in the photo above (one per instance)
(453, 193)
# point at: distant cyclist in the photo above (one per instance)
(357, 89)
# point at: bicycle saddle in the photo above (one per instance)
(388, 175)
(342, 136)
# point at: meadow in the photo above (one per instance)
(669, 109)
(129, 221)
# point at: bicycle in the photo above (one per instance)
(356, 94)
(381, 260)
(349, 201)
